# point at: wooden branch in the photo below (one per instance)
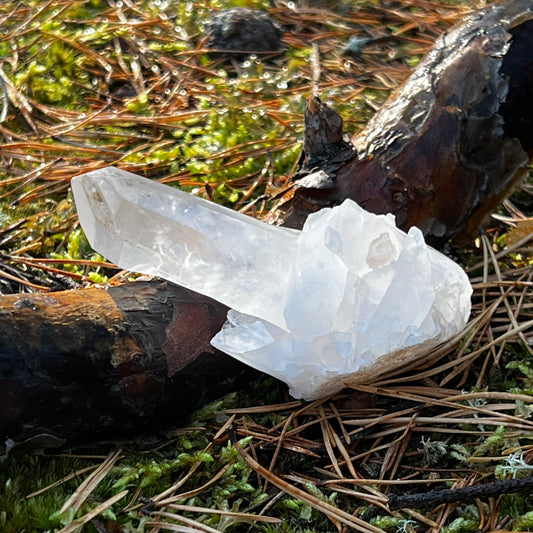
(465, 494)
(449, 146)
(91, 362)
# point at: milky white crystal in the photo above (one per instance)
(345, 299)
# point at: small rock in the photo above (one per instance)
(238, 31)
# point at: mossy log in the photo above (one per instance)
(449, 145)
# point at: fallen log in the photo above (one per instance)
(447, 148)
(95, 362)
(449, 145)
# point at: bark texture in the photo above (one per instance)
(448, 146)
(84, 363)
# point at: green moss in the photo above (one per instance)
(394, 524)
(20, 475)
(524, 522)
(462, 525)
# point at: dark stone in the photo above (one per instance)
(241, 31)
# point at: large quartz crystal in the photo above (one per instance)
(345, 299)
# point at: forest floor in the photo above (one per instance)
(131, 83)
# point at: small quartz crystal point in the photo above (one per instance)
(345, 299)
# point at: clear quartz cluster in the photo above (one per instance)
(345, 299)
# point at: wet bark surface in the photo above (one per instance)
(450, 144)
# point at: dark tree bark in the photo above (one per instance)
(91, 362)
(447, 147)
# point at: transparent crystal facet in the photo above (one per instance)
(144, 226)
(348, 297)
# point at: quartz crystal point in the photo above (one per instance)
(345, 299)
(145, 226)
